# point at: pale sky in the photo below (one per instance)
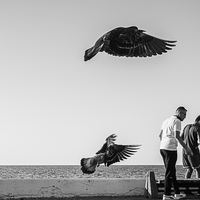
(56, 109)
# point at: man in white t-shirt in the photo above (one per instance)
(169, 138)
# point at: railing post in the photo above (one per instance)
(151, 190)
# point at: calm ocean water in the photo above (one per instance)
(73, 171)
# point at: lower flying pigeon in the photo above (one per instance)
(109, 153)
(129, 42)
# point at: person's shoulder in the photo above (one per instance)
(187, 127)
(196, 127)
(175, 119)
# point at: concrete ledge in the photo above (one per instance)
(65, 188)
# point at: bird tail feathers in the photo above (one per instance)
(90, 53)
(88, 165)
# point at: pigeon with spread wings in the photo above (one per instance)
(129, 42)
(110, 153)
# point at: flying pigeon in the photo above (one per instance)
(129, 42)
(110, 153)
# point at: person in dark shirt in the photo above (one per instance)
(191, 137)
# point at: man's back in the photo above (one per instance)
(169, 127)
(190, 136)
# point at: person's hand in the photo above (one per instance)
(189, 151)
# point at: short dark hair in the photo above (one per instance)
(181, 108)
(197, 119)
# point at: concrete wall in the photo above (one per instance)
(38, 188)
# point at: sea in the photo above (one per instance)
(74, 171)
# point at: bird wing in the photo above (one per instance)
(109, 140)
(131, 42)
(116, 153)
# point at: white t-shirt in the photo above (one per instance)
(169, 127)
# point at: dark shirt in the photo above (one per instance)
(190, 136)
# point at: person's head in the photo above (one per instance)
(181, 113)
(197, 120)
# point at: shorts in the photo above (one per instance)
(191, 161)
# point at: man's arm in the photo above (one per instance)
(198, 136)
(160, 135)
(182, 134)
(178, 137)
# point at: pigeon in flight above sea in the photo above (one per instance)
(129, 42)
(109, 153)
